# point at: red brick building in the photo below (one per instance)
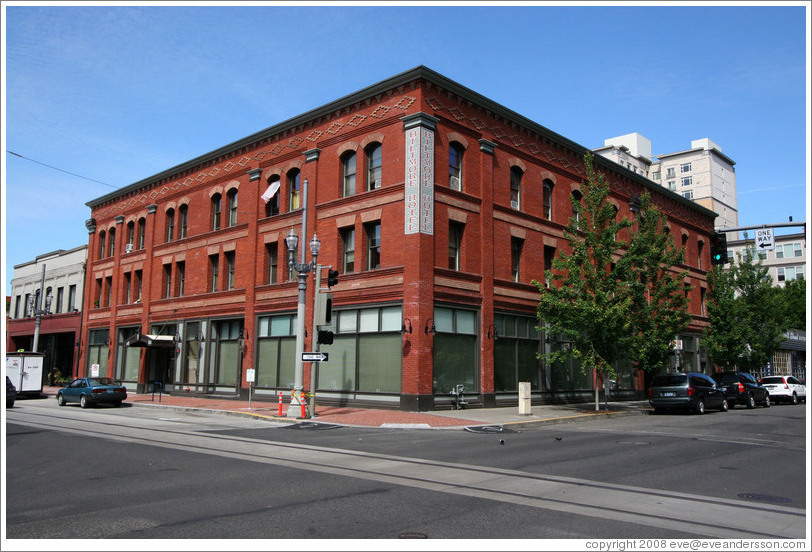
(436, 205)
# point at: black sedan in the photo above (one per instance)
(743, 388)
(90, 391)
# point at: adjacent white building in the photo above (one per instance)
(64, 283)
(786, 262)
(702, 173)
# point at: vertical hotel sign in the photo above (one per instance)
(419, 200)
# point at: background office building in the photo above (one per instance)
(437, 206)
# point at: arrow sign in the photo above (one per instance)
(314, 357)
(765, 239)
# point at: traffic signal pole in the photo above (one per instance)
(314, 340)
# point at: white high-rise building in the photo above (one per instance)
(702, 173)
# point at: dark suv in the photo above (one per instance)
(742, 388)
(692, 391)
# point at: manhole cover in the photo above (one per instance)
(412, 535)
(764, 498)
(488, 429)
(312, 426)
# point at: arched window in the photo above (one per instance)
(170, 225)
(102, 242)
(455, 151)
(216, 207)
(142, 232)
(272, 206)
(348, 161)
(183, 211)
(547, 199)
(295, 189)
(374, 161)
(577, 196)
(111, 236)
(516, 187)
(700, 245)
(232, 206)
(130, 236)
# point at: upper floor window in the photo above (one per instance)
(170, 224)
(516, 187)
(576, 200)
(294, 189)
(787, 250)
(272, 250)
(102, 242)
(348, 161)
(374, 161)
(688, 195)
(230, 269)
(142, 233)
(670, 172)
(232, 206)
(455, 152)
(700, 246)
(655, 175)
(272, 205)
(547, 199)
(516, 245)
(131, 234)
(685, 167)
(348, 250)
(455, 231)
(687, 180)
(216, 207)
(785, 274)
(111, 251)
(672, 185)
(373, 232)
(183, 211)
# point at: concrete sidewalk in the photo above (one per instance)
(508, 417)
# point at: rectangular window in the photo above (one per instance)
(348, 250)
(167, 280)
(230, 265)
(671, 172)
(687, 180)
(184, 212)
(170, 225)
(139, 278)
(549, 255)
(672, 185)
(272, 252)
(108, 291)
(373, 232)
(455, 231)
(17, 313)
(59, 293)
(685, 167)
(516, 245)
(214, 269)
(128, 282)
(688, 195)
(181, 277)
(655, 175)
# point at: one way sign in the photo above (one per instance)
(315, 357)
(765, 240)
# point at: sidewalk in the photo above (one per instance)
(382, 418)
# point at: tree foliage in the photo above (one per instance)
(612, 298)
(748, 316)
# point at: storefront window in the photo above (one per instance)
(128, 357)
(276, 351)
(515, 353)
(98, 350)
(455, 350)
(227, 354)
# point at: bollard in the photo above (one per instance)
(304, 407)
(280, 403)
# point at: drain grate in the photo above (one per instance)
(764, 498)
(488, 429)
(312, 426)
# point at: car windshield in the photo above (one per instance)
(669, 380)
(772, 379)
(100, 381)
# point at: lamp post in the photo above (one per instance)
(292, 241)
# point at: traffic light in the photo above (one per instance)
(324, 309)
(718, 248)
(325, 337)
(332, 277)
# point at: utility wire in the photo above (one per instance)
(58, 169)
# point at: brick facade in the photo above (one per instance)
(414, 271)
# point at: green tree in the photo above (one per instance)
(657, 289)
(588, 305)
(794, 302)
(747, 314)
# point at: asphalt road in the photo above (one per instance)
(134, 473)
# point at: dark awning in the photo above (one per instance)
(150, 340)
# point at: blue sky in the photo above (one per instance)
(116, 94)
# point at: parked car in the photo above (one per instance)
(90, 391)
(692, 391)
(742, 388)
(11, 393)
(784, 388)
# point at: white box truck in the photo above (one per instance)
(24, 369)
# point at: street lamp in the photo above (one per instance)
(292, 241)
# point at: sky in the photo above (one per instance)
(100, 96)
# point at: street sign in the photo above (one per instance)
(314, 357)
(765, 240)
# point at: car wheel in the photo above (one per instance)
(60, 399)
(751, 401)
(766, 403)
(794, 398)
(84, 402)
(724, 407)
(700, 407)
